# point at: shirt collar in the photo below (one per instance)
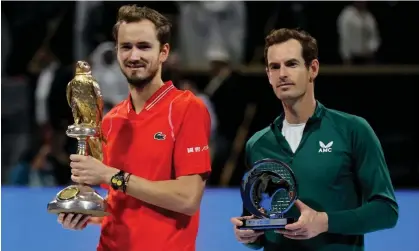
(155, 98)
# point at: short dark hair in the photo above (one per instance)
(308, 43)
(132, 13)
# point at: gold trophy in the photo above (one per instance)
(85, 100)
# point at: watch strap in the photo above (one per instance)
(124, 188)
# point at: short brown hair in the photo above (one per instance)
(132, 13)
(308, 43)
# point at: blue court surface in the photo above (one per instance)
(26, 226)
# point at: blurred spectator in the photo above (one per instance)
(106, 70)
(87, 17)
(203, 25)
(33, 169)
(48, 64)
(359, 35)
(15, 122)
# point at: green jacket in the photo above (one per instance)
(341, 170)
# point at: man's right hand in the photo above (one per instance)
(244, 236)
(77, 221)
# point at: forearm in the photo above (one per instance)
(373, 216)
(169, 194)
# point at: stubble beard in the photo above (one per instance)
(141, 82)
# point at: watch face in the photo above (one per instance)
(117, 181)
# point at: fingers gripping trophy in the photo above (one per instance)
(85, 99)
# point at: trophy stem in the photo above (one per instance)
(82, 149)
(82, 146)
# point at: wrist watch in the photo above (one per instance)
(118, 180)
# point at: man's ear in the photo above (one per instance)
(314, 69)
(164, 52)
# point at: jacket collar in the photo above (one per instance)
(317, 115)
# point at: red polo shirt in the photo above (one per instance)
(167, 139)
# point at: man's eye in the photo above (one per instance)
(143, 47)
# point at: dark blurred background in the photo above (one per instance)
(368, 55)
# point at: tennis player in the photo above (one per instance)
(345, 189)
(156, 156)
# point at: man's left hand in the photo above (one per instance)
(310, 224)
(88, 170)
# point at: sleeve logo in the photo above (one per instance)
(197, 149)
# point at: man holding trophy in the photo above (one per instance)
(318, 179)
(155, 150)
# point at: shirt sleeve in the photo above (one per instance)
(379, 209)
(191, 151)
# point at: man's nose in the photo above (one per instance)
(135, 54)
(283, 72)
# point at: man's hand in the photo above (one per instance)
(310, 224)
(77, 221)
(244, 236)
(73, 222)
(90, 171)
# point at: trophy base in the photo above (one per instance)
(266, 224)
(78, 199)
